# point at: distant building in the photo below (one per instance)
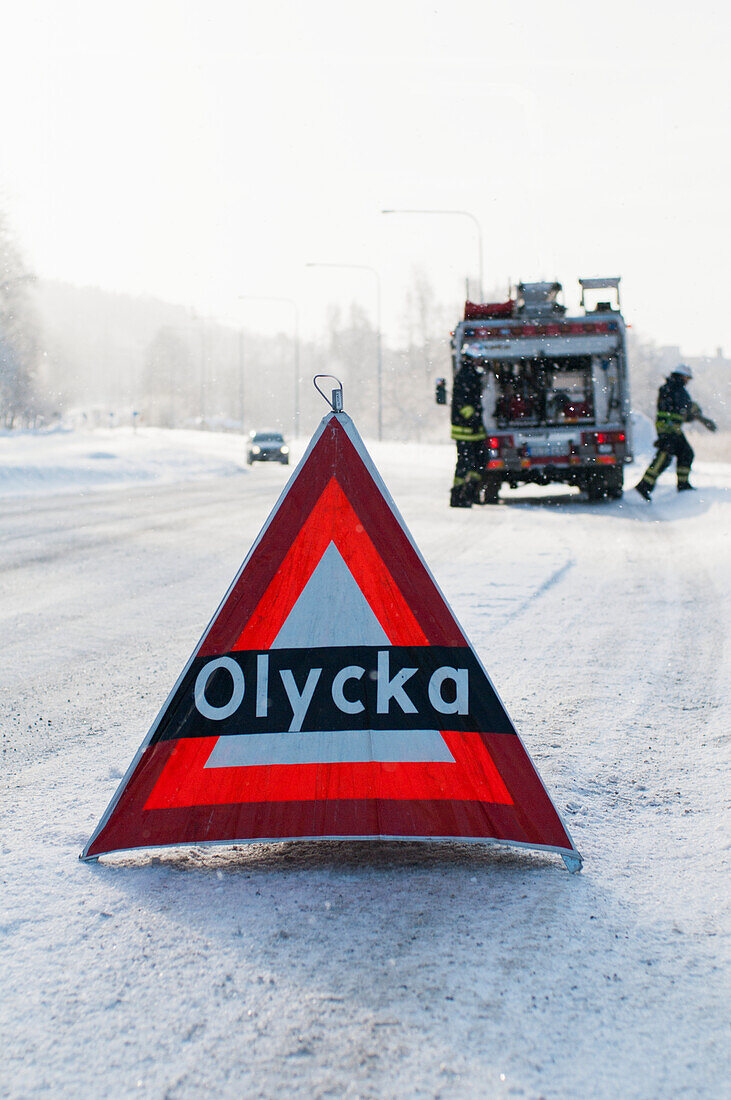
(669, 356)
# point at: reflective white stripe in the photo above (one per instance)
(528, 347)
(247, 750)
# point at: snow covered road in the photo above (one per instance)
(375, 970)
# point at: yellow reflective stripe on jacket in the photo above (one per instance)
(669, 422)
(468, 435)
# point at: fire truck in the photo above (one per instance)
(556, 404)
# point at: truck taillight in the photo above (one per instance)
(498, 442)
(601, 438)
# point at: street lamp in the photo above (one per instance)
(458, 213)
(379, 376)
(295, 307)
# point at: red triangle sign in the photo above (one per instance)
(333, 695)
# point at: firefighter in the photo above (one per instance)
(468, 431)
(674, 408)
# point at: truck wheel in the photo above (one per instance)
(490, 489)
(606, 485)
(596, 486)
(615, 483)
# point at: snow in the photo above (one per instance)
(61, 461)
(356, 969)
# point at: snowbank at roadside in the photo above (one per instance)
(41, 463)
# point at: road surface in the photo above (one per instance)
(373, 970)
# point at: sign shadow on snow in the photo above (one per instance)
(381, 856)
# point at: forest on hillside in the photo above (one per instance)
(93, 358)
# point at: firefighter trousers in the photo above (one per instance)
(468, 472)
(669, 447)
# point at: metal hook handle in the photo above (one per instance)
(336, 401)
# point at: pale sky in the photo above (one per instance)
(199, 151)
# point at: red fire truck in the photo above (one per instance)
(556, 401)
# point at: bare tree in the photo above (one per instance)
(167, 379)
(19, 341)
(412, 370)
(352, 355)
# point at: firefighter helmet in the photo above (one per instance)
(683, 371)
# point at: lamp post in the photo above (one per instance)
(379, 374)
(457, 213)
(295, 307)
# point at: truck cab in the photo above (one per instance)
(556, 402)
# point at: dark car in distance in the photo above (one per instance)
(267, 446)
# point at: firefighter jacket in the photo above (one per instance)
(674, 407)
(467, 425)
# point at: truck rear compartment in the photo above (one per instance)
(555, 398)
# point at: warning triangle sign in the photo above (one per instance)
(333, 695)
